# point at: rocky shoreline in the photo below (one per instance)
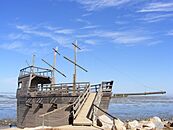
(154, 123)
(105, 123)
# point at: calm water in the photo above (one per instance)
(7, 106)
(140, 107)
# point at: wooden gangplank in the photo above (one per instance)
(81, 118)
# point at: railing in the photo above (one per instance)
(106, 87)
(100, 89)
(97, 101)
(35, 70)
(95, 87)
(63, 88)
(77, 105)
(112, 117)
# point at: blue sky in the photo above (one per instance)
(128, 41)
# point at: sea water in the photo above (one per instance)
(7, 105)
(128, 108)
(142, 107)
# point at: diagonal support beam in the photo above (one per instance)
(75, 64)
(54, 68)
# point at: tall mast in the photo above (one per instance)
(54, 66)
(74, 63)
(74, 75)
(33, 63)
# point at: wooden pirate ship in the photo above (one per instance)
(40, 101)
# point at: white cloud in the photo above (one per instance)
(90, 27)
(152, 43)
(118, 37)
(45, 37)
(121, 22)
(158, 7)
(16, 36)
(131, 37)
(85, 35)
(91, 41)
(64, 31)
(12, 46)
(62, 40)
(51, 28)
(30, 39)
(155, 17)
(91, 5)
(18, 46)
(25, 27)
(170, 33)
(87, 14)
(59, 30)
(82, 21)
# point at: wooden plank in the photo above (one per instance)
(81, 118)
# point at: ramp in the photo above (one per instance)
(81, 118)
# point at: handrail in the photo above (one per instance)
(106, 86)
(97, 100)
(80, 101)
(113, 117)
(95, 87)
(35, 70)
(100, 89)
(63, 87)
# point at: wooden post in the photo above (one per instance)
(33, 63)
(53, 68)
(43, 123)
(74, 75)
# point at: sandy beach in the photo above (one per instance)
(67, 127)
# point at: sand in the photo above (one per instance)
(67, 127)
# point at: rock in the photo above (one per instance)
(150, 125)
(169, 124)
(157, 122)
(133, 125)
(107, 123)
(119, 125)
(147, 125)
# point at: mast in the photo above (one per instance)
(74, 63)
(74, 75)
(54, 66)
(33, 63)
